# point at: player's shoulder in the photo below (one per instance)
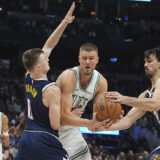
(52, 89)
(102, 85)
(67, 72)
(67, 75)
(102, 80)
(158, 82)
(142, 95)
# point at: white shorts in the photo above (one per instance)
(74, 143)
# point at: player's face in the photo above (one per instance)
(43, 63)
(151, 65)
(88, 61)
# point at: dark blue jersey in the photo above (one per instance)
(149, 94)
(37, 112)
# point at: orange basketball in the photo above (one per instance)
(106, 108)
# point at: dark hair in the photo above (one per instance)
(154, 51)
(88, 47)
(30, 58)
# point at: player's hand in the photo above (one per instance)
(116, 97)
(96, 124)
(103, 127)
(78, 111)
(12, 130)
(69, 16)
(6, 155)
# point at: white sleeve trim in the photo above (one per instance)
(48, 86)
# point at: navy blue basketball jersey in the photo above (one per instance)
(149, 94)
(38, 141)
(37, 112)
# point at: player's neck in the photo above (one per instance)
(38, 75)
(154, 78)
(84, 80)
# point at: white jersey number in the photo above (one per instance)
(30, 116)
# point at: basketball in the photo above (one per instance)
(106, 108)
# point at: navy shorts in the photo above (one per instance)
(40, 145)
(155, 154)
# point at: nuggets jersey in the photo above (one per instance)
(149, 94)
(82, 96)
(37, 113)
(38, 141)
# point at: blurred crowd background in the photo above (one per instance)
(121, 29)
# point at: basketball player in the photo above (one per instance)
(149, 100)
(4, 136)
(39, 140)
(78, 86)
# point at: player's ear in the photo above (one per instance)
(97, 59)
(37, 67)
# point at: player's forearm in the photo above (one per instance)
(54, 116)
(20, 128)
(6, 142)
(73, 120)
(54, 37)
(147, 104)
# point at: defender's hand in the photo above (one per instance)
(69, 16)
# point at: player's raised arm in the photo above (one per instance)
(55, 36)
(127, 121)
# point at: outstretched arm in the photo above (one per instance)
(147, 104)
(55, 36)
(129, 119)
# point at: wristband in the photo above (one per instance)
(5, 133)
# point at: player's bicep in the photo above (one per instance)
(66, 101)
(102, 85)
(66, 83)
(52, 97)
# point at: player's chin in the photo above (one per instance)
(87, 72)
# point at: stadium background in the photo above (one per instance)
(122, 30)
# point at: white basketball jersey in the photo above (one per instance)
(0, 133)
(82, 96)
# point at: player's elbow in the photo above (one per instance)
(56, 126)
(155, 108)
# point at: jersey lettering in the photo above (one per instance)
(80, 101)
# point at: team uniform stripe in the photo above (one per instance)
(79, 153)
(95, 88)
